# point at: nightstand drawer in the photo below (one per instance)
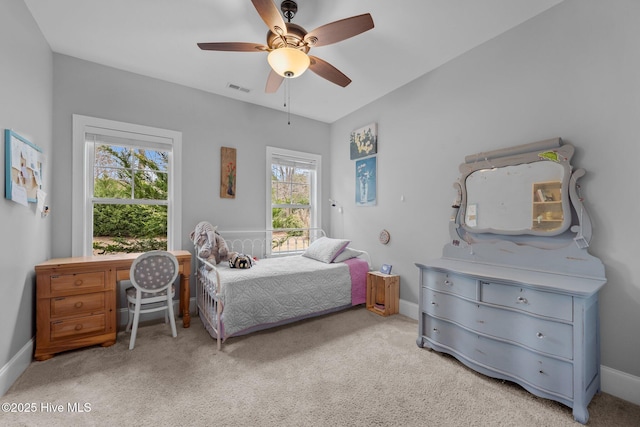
(81, 282)
(78, 326)
(532, 301)
(68, 306)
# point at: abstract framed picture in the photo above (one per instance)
(366, 176)
(227, 173)
(364, 141)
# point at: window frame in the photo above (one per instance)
(315, 183)
(82, 187)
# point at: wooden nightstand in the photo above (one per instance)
(383, 293)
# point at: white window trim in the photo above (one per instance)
(316, 187)
(82, 177)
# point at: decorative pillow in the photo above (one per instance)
(325, 249)
(347, 253)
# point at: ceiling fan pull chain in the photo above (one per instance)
(287, 100)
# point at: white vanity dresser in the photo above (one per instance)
(515, 294)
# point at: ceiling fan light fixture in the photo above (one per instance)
(288, 62)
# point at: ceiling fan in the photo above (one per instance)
(288, 44)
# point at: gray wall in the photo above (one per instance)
(207, 122)
(571, 72)
(25, 107)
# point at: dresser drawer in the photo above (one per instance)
(450, 282)
(542, 335)
(529, 300)
(545, 373)
(77, 304)
(78, 326)
(80, 282)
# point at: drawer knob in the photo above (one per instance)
(435, 330)
(78, 282)
(78, 326)
(521, 300)
(540, 335)
(433, 303)
(78, 304)
(448, 283)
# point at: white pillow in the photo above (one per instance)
(348, 253)
(325, 249)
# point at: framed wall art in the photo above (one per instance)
(366, 175)
(227, 173)
(23, 169)
(364, 141)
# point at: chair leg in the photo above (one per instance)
(129, 317)
(134, 331)
(172, 318)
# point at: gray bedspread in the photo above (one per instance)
(277, 289)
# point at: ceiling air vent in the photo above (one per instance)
(240, 88)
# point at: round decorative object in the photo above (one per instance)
(384, 237)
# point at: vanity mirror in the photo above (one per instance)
(520, 190)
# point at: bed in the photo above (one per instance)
(298, 276)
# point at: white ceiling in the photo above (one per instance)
(157, 38)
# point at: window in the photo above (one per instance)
(293, 195)
(126, 198)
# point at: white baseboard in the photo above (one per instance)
(616, 383)
(620, 384)
(10, 372)
(409, 309)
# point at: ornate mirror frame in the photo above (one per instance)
(548, 204)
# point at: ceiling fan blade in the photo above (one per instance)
(328, 71)
(233, 46)
(270, 15)
(339, 30)
(273, 82)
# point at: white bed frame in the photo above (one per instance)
(249, 242)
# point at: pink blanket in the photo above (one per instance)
(358, 268)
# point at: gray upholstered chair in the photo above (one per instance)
(153, 275)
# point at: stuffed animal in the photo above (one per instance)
(211, 245)
(240, 261)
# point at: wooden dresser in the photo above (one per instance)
(76, 300)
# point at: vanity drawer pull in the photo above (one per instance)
(521, 300)
(448, 282)
(540, 335)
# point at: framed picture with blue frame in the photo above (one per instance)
(23, 168)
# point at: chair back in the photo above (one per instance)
(154, 271)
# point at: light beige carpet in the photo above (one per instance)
(352, 368)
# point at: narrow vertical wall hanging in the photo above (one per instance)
(227, 173)
(366, 177)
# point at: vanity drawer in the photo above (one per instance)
(450, 282)
(532, 301)
(78, 326)
(77, 304)
(538, 334)
(545, 373)
(79, 282)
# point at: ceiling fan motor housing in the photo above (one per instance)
(294, 38)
